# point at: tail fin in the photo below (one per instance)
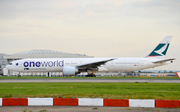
(161, 49)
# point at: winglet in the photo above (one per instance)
(161, 49)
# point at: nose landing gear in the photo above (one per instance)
(19, 74)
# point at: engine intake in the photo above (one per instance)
(70, 70)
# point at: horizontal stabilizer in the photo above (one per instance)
(165, 60)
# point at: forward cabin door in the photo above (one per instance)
(21, 64)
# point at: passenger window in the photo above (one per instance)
(10, 63)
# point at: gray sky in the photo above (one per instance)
(100, 28)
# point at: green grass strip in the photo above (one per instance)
(169, 91)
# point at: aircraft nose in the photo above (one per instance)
(7, 66)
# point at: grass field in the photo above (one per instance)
(92, 90)
(38, 77)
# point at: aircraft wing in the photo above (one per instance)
(94, 64)
(161, 61)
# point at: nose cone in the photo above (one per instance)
(7, 66)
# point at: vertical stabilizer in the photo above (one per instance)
(161, 49)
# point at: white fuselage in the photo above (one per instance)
(57, 64)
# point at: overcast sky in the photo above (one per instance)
(100, 28)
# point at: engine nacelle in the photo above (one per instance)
(70, 70)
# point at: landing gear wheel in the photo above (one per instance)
(91, 75)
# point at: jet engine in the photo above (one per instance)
(70, 70)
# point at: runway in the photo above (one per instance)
(94, 80)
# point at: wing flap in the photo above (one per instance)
(94, 64)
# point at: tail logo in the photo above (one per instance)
(160, 50)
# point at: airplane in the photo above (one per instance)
(74, 66)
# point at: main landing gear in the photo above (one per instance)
(91, 75)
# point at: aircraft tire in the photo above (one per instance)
(91, 75)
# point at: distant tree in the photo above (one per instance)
(159, 72)
(139, 71)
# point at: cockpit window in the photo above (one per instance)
(10, 64)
